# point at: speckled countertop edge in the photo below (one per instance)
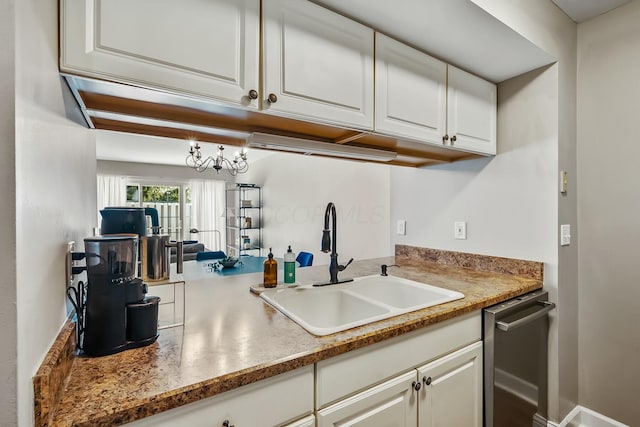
(49, 381)
(414, 264)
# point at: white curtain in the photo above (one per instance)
(112, 191)
(207, 213)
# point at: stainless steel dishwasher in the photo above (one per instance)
(515, 336)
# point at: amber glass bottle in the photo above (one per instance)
(270, 271)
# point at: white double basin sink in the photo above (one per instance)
(329, 309)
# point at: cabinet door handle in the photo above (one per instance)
(253, 94)
(272, 98)
(453, 139)
(445, 139)
(227, 423)
(416, 385)
(426, 380)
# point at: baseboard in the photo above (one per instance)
(585, 417)
(578, 417)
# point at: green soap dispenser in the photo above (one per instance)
(289, 266)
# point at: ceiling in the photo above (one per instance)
(456, 31)
(461, 33)
(583, 10)
(129, 147)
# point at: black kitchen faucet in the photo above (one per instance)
(329, 244)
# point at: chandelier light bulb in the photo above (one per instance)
(195, 161)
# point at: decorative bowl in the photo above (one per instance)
(228, 262)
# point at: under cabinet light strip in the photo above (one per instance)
(310, 147)
(128, 118)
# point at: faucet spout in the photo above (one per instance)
(329, 244)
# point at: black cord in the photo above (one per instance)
(77, 296)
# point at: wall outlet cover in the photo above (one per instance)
(460, 230)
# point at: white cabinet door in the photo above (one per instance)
(471, 112)
(356, 370)
(390, 404)
(411, 92)
(309, 421)
(270, 402)
(451, 393)
(205, 48)
(317, 64)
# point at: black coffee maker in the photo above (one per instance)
(128, 219)
(117, 315)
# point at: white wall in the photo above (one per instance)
(8, 311)
(55, 190)
(506, 200)
(511, 202)
(609, 208)
(296, 190)
(162, 172)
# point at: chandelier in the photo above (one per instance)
(195, 161)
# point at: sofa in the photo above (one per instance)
(189, 251)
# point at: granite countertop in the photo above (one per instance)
(232, 338)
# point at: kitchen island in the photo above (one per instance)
(232, 338)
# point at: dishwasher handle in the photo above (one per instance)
(546, 307)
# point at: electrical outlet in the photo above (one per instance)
(402, 227)
(71, 246)
(460, 230)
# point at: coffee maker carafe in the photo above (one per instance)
(117, 314)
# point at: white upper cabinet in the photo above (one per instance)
(317, 65)
(471, 112)
(308, 63)
(411, 92)
(422, 98)
(204, 48)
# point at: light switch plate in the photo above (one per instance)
(402, 227)
(460, 230)
(565, 235)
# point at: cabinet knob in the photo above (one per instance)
(272, 98)
(416, 385)
(453, 139)
(253, 94)
(445, 139)
(227, 423)
(426, 380)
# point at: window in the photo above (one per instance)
(172, 202)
